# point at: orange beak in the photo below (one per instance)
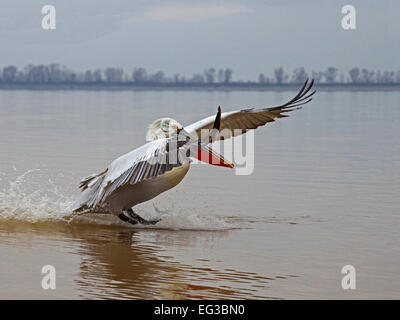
(209, 156)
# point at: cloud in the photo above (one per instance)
(194, 12)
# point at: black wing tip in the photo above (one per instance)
(302, 95)
(217, 121)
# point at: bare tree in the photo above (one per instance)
(398, 77)
(367, 76)
(197, 78)
(261, 78)
(177, 78)
(388, 77)
(114, 75)
(221, 75)
(97, 76)
(139, 75)
(299, 75)
(317, 76)
(354, 74)
(280, 76)
(88, 76)
(331, 74)
(157, 77)
(9, 74)
(228, 75)
(55, 74)
(36, 74)
(210, 75)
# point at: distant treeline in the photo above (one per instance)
(55, 74)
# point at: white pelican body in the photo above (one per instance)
(137, 177)
(99, 197)
(131, 195)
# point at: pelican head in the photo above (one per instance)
(162, 128)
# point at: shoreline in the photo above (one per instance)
(199, 87)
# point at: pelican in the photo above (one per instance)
(139, 175)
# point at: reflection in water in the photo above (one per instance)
(121, 263)
(115, 264)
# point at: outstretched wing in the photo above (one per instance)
(146, 162)
(252, 118)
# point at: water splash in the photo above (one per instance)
(180, 219)
(33, 197)
(28, 198)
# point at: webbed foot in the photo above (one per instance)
(139, 219)
(127, 219)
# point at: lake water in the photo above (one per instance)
(324, 194)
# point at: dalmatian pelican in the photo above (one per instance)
(161, 164)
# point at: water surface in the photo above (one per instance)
(324, 193)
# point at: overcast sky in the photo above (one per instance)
(187, 36)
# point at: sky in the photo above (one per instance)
(250, 37)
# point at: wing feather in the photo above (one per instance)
(146, 162)
(252, 118)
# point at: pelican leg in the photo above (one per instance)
(127, 219)
(139, 219)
